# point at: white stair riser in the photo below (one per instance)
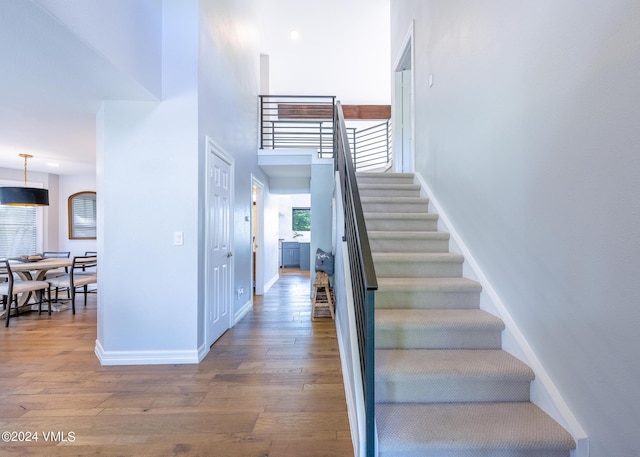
(402, 338)
(450, 390)
(404, 245)
(426, 299)
(425, 225)
(417, 269)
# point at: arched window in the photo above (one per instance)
(82, 216)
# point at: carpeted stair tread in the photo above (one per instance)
(400, 216)
(411, 257)
(389, 189)
(430, 284)
(428, 293)
(429, 319)
(394, 204)
(408, 241)
(460, 429)
(395, 200)
(417, 264)
(363, 178)
(409, 235)
(446, 363)
(437, 329)
(445, 375)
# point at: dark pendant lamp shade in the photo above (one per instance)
(24, 196)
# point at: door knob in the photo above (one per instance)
(229, 254)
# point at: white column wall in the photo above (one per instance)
(147, 184)
(529, 140)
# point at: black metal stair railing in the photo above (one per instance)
(363, 274)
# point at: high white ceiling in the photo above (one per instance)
(52, 81)
(51, 86)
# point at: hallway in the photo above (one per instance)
(271, 386)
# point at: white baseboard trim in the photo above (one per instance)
(145, 357)
(202, 352)
(242, 312)
(544, 393)
(271, 282)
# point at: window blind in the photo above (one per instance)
(83, 209)
(18, 234)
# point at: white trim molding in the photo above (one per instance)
(168, 357)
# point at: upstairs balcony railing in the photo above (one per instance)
(307, 122)
(293, 121)
(371, 147)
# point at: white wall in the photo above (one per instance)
(343, 48)
(529, 140)
(228, 81)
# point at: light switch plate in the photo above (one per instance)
(178, 238)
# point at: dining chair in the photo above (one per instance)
(59, 271)
(10, 287)
(94, 254)
(81, 274)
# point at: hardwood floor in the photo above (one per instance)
(271, 386)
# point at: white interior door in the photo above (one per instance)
(219, 255)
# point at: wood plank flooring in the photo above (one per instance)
(271, 386)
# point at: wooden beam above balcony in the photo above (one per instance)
(369, 112)
(317, 111)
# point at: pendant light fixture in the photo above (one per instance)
(24, 196)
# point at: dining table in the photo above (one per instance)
(32, 269)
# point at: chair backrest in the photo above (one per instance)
(56, 254)
(84, 263)
(93, 253)
(6, 274)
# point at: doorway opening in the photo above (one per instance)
(257, 235)
(403, 107)
(294, 232)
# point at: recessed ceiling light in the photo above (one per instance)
(53, 164)
(294, 35)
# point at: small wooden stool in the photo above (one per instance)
(322, 297)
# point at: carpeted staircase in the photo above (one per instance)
(443, 386)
